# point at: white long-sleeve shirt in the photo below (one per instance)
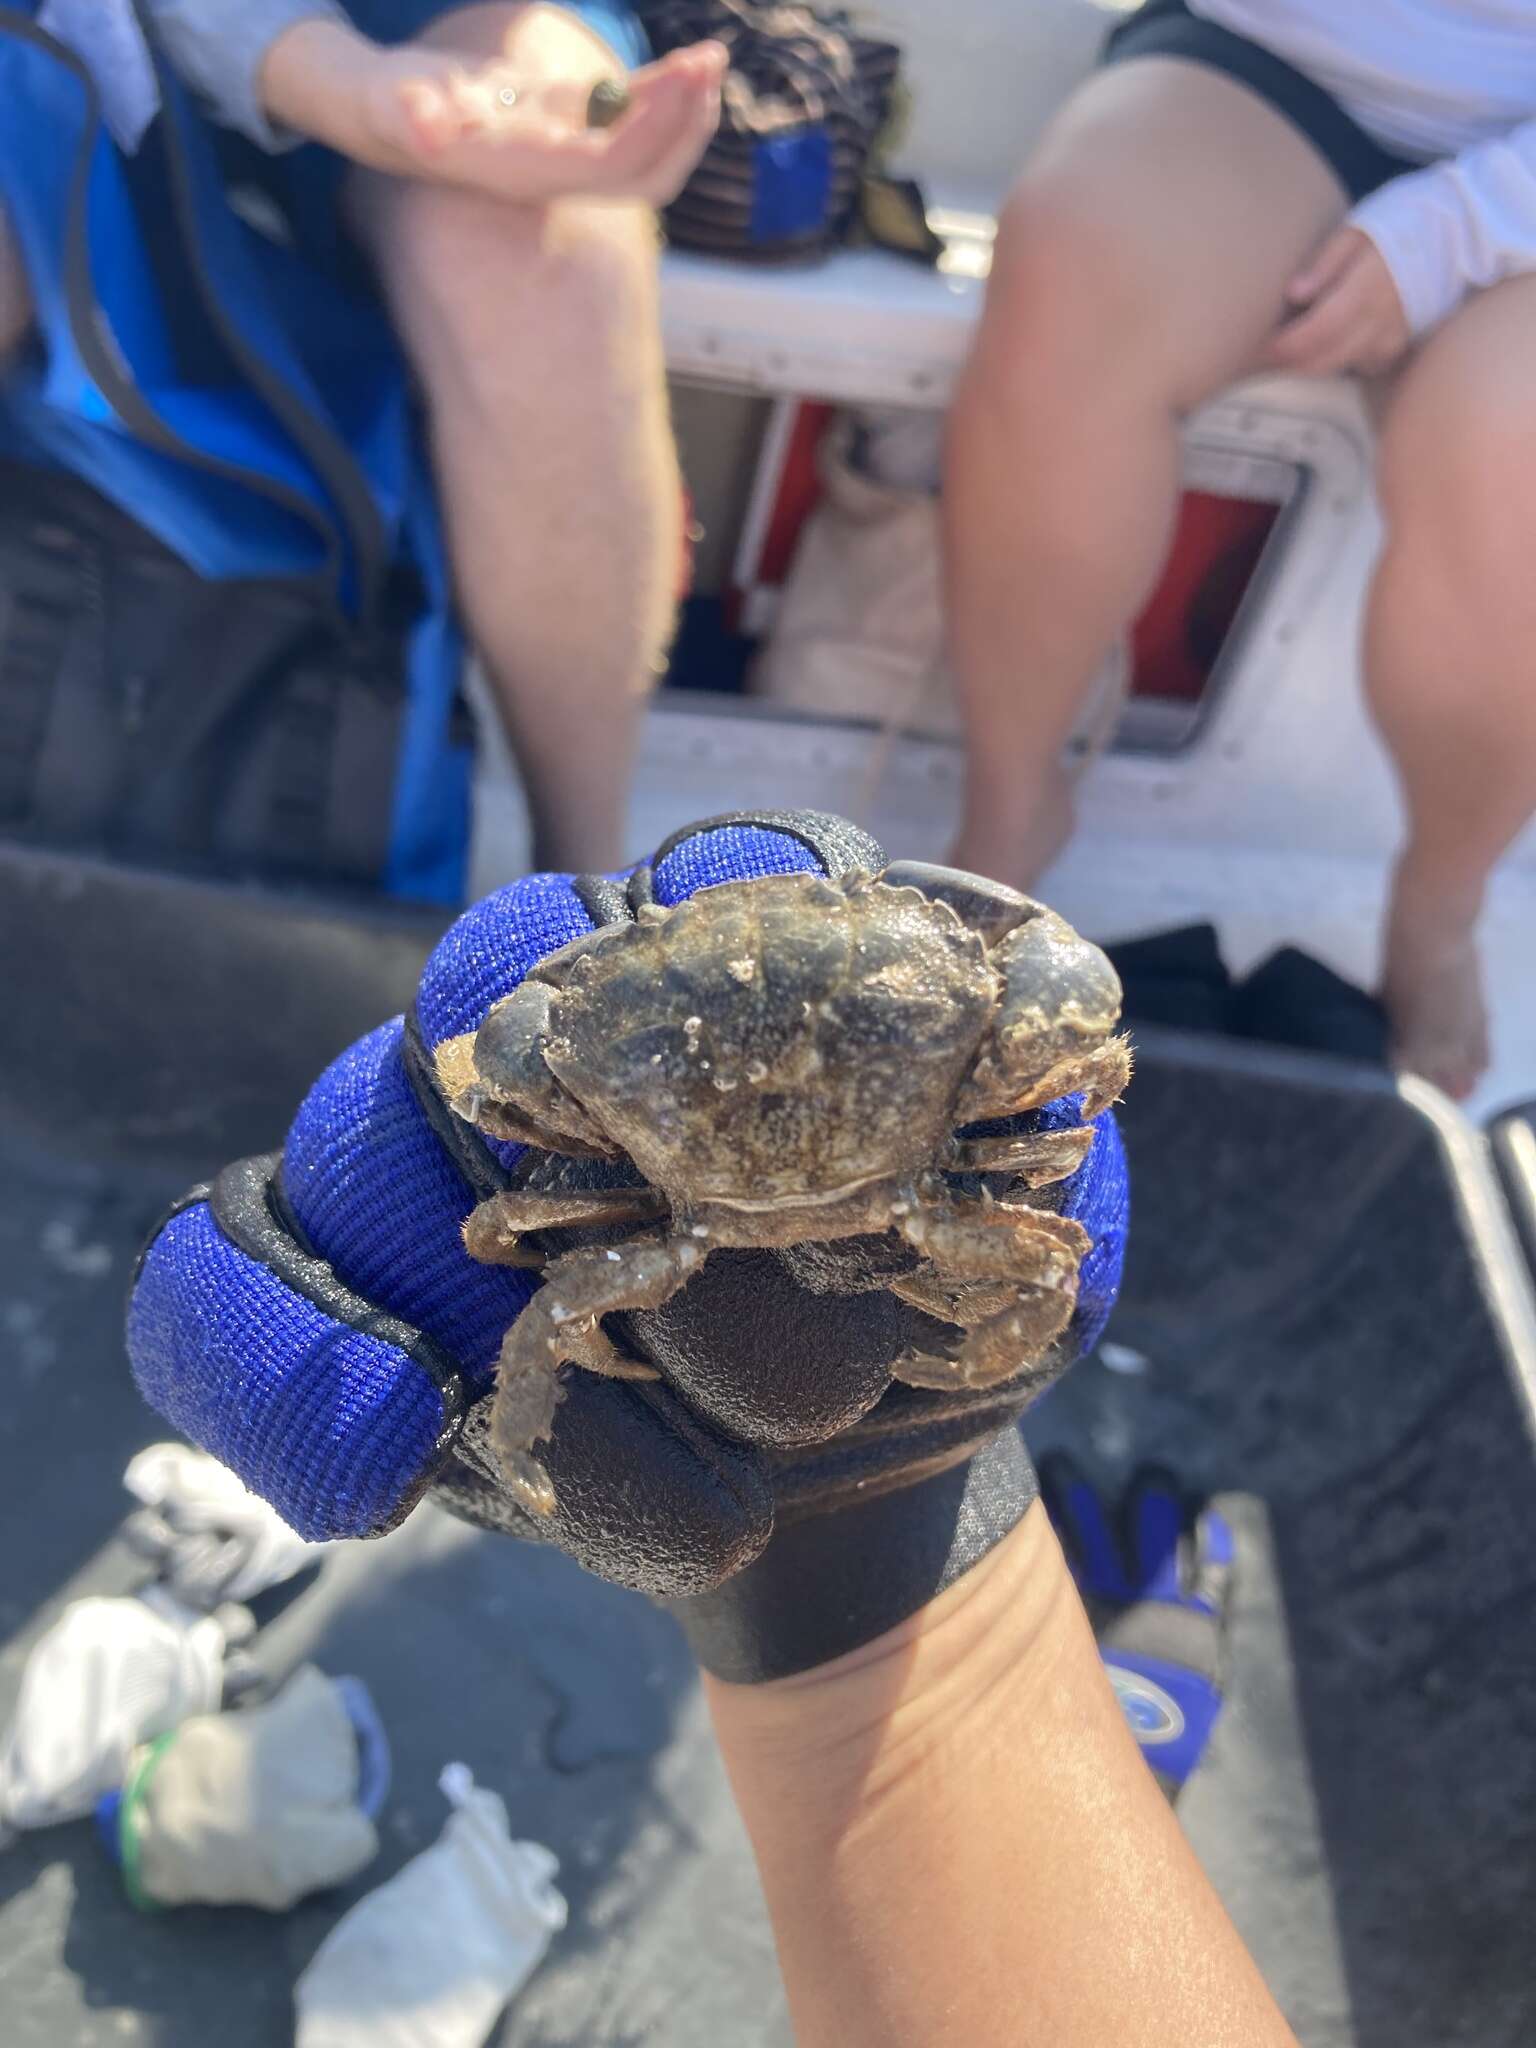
(1450, 81)
(218, 47)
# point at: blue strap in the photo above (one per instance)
(1092, 1542)
(1099, 1197)
(1157, 1528)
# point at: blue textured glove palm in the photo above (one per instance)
(314, 1320)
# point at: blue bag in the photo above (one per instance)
(201, 408)
(805, 101)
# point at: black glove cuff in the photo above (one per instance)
(830, 1583)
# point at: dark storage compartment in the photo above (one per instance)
(1327, 1316)
(1337, 1325)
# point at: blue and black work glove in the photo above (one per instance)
(698, 1399)
(1155, 1573)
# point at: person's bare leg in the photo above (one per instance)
(1141, 264)
(1451, 662)
(15, 296)
(536, 335)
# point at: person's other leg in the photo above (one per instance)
(1141, 265)
(1451, 661)
(15, 296)
(536, 335)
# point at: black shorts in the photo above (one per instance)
(1166, 28)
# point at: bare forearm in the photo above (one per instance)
(960, 1842)
(317, 79)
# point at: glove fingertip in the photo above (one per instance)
(369, 1183)
(333, 1411)
(739, 846)
(491, 948)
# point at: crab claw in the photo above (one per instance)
(1052, 1038)
(496, 1078)
(989, 908)
(509, 1046)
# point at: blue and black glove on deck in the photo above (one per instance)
(314, 1320)
(1155, 1573)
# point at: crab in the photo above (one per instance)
(783, 1061)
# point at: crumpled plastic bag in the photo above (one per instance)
(109, 1675)
(258, 1807)
(209, 1538)
(430, 1958)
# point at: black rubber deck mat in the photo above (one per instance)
(1326, 1316)
(1327, 1310)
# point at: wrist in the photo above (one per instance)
(959, 1841)
(879, 1724)
(324, 80)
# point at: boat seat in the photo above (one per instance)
(864, 326)
(861, 327)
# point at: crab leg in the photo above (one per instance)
(1099, 1076)
(562, 1326)
(494, 1231)
(977, 1255)
(1010, 1274)
(1038, 1158)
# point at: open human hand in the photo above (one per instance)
(1346, 315)
(525, 138)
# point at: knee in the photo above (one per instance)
(1070, 305)
(487, 291)
(1457, 484)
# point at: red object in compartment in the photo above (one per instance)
(1215, 552)
(799, 489)
(790, 470)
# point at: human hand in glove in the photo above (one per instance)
(741, 1274)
